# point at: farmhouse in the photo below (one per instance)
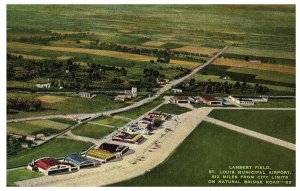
(79, 161)
(46, 85)
(86, 95)
(51, 166)
(247, 100)
(180, 99)
(128, 138)
(209, 100)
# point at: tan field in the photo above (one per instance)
(197, 50)
(52, 99)
(153, 43)
(30, 57)
(48, 124)
(251, 65)
(122, 55)
(64, 57)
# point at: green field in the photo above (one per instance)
(136, 112)
(70, 104)
(278, 102)
(279, 124)
(113, 121)
(54, 148)
(210, 147)
(20, 174)
(93, 131)
(38, 126)
(173, 109)
(254, 27)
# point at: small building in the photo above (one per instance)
(128, 138)
(44, 86)
(79, 161)
(117, 150)
(159, 115)
(131, 93)
(162, 81)
(100, 155)
(180, 99)
(121, 98)
(176, 91)
(40, 136)
(106, 152)
(209, 100)
(255, 61)
(30, 138)
(51, 166)
(128, 94)
(86, 95)
(145, 122)
(247, 100)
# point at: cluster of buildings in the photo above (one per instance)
(212, 101)
(247, 100)
(208, 100)
(74, 162)
(127, 95)
(147, 123)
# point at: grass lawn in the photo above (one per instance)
(22, 128)
(173, 109)
(113, 121)
(72, 104)
(136, 112)
(54, 148)
(277, 102)
(210, 147)
(20, 174)
(279, 124)
(92, 131)
(35, 126)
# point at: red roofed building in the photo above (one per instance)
(50, 166)
(209, 100)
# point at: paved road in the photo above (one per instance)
(256, 108)
(137, 104)
(251, 133)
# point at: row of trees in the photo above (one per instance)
(210, 87)
(22, 103)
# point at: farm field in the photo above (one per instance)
(276, 90)
(20, 174)
(127, 56)
(92, 130)
(197, 50)
(112, 121)
(279, 124)
(136, 112)
(259, 66)
(55, 148)
(173, 109)
(275, 81)
(210, 147)
(71, 104)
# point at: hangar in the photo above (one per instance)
(79, 161)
